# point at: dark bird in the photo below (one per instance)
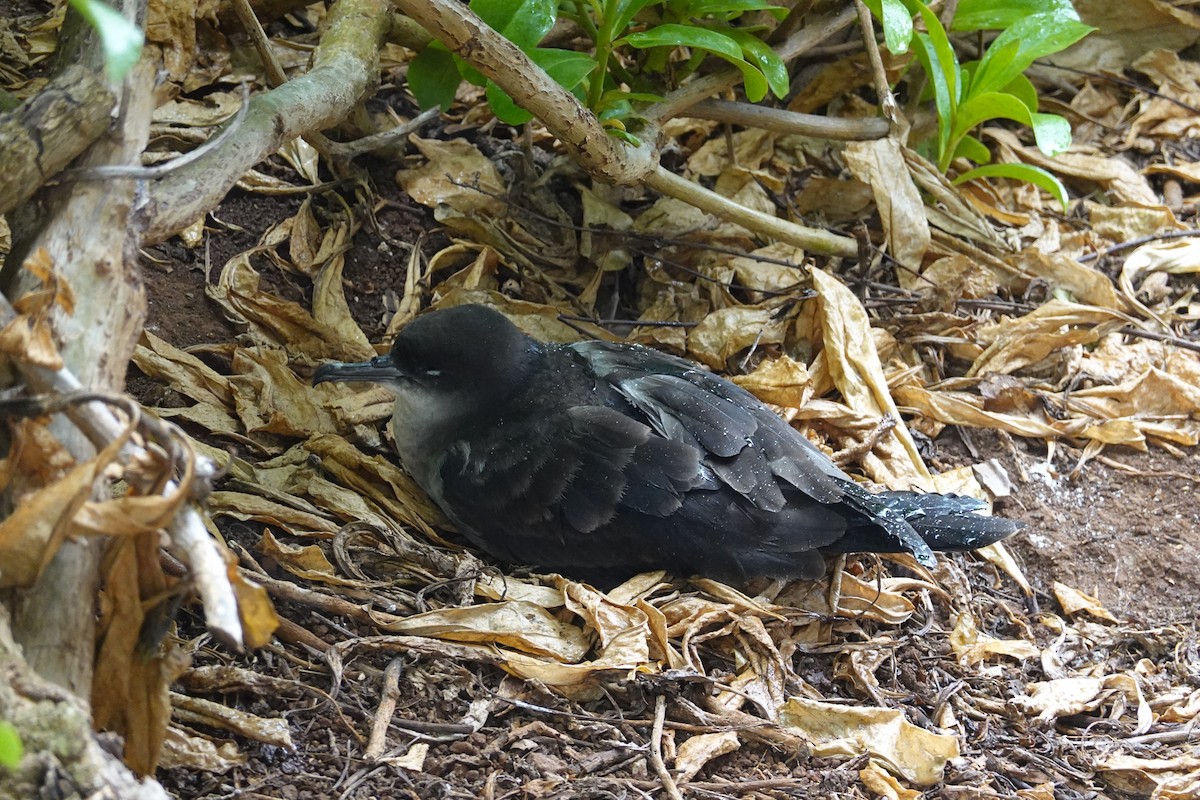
(603, 460)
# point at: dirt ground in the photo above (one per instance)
(1127, 534)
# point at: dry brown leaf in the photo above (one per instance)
(257, 614)
(875, 777)
(303, 561)
(380, 481)
(624, 655)
(1114, 174)
(243, 506)
(1074, 695)
(1074, 602)
(724, 333)
(504, 587)
(1086, 285)
(609, 253)
(855, 597)
(269, 398)
(1185, 711)
(1018, 342)
(331, 310)
(413, 758)
(600, 614)
(842, 326)
(29, 337)
(189, 750)
(700, 749)
(952, 278)
(779, 381)
(1125, 223)
(276, 322)
(1174, 257)
(455, 174)
(836, 199)
(44, 515)
(752, 148)
(915, 754)
(514, 624)
(182, 371)
(999, 555)
(1160, 778)
(758, 271)
(132, 676)
(971, 646)
(880, 164)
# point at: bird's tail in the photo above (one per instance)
(920, 523)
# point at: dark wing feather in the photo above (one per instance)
(547, 488)
(687, 404)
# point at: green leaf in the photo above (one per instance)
(1021, 88)
(701, 8)
(625, 136)
(433, 77)
(617, 99)
(566, 67)
(1052, 133)
(991, 105)
(760, 54)
(941, 57)
(943, 98)
(469, 73)
(11, 749)
(972, 149)
(1020, 172)
(672, 35)
(120, 39)
(983, 15)
(503, 106)
(897, 26)
(1025, 41)
(998, 58)
(753, 81)
(615, 23)
(522, 22)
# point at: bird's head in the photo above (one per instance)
(466, 354)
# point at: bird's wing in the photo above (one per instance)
(746, 444)
(577, 468)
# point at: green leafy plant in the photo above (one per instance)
(11, 749)
(632, 45)
(992, 87)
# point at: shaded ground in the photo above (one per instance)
(1131, 538)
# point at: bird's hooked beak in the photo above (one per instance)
(379, 369)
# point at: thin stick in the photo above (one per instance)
(387, 707)
(656, 759)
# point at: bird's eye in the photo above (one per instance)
(431, 373)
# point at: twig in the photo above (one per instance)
(811, 239)
(387, 707)
(253, 29)
(781, 120)
(350, 150)
(1185, 344)
(887, 101)
(1138, 242)
(656, 759)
